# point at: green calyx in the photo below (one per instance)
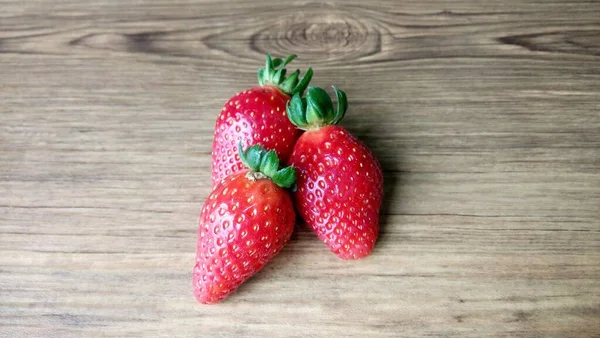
(274, 74)
(265, 164)
(316, 109)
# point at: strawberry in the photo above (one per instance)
(257, 116)
(339, 183)
(246, 220)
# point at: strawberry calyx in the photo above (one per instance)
(316, 109)
(265, 164)
(274, 74)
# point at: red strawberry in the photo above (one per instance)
(340, 183)
(257, 116)
(246, 221)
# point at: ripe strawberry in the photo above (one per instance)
(246, 221)
(257, 116)
(340, 183)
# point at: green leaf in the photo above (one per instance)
(316, 109)
(295, 111)
(252, 156)
(261, 76)
(288, 60)
(276, 62)
(268, 62)
(342, 105)
(269, 71)
(319, 107)
(290, 83)
(285, 177)
(269, 163)
(274, 74)
(258, 159)
(301, 86)
(279, 76)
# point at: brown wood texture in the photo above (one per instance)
(484, 114)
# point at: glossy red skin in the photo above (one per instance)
(254, 116)
(339, 190)
(244, 223)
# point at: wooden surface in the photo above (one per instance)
(484, 114)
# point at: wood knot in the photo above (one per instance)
(325, 36)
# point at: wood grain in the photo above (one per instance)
(485, 116)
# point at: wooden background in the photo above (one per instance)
(484, 114)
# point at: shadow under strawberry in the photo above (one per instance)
(290, 255)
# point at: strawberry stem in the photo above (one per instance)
(316, 109)
(274, 75)
(265, 164)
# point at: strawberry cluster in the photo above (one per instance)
(277, 147)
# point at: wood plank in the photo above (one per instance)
(485, 116)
